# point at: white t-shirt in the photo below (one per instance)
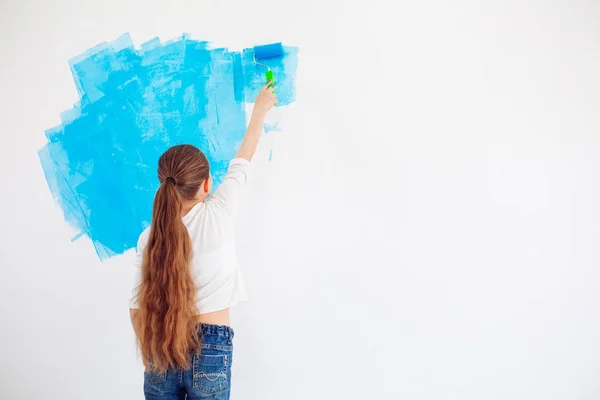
(215, 267)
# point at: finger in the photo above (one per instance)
(267, 85)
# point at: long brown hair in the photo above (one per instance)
(167, 306)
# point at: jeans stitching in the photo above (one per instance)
(214, 375)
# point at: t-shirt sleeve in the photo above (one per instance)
(137, 268)
(228, 193)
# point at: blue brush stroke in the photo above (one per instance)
(100, 163)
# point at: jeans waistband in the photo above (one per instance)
(216, 330)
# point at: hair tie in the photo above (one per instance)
(171, 179)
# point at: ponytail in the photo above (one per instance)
(167, 323)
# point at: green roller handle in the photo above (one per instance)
(269, 76)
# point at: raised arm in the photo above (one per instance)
(265, 100)
(228, 193)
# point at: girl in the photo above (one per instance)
(187, 271)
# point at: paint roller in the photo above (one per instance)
(265, 53)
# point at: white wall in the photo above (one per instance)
(427, 228)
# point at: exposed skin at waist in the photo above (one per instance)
(220, 317)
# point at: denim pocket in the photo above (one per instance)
(211, 372)
(153, 378)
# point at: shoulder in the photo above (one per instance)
(237, 166)
(239, 162)
(216, 211)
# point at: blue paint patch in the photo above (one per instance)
(100, 163)
(271, 128)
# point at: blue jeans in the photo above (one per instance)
(209, 376)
